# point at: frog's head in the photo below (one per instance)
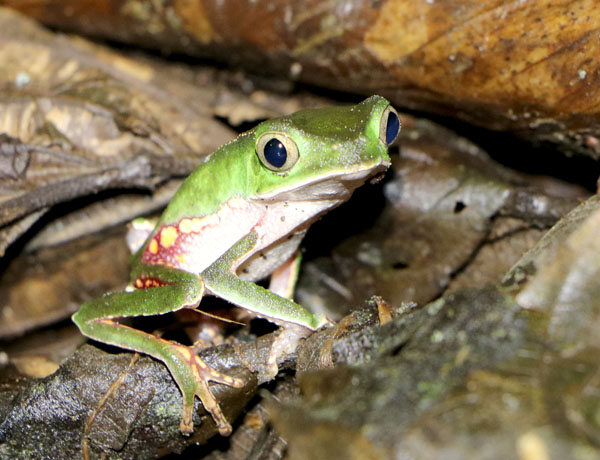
(323, 153)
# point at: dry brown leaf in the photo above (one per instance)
(77, 119)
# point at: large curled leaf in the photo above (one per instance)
(528, 67)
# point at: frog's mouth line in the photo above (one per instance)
(333, 186)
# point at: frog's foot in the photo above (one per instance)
(192, 375)
(284, 344)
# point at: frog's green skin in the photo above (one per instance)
(235, 220)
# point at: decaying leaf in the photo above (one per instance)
(528, 67)
(562, 274)
(138, 416)
(40, 288)
(439, 366)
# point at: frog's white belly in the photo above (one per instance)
(280, 230)
(262, 263)
(194, 243)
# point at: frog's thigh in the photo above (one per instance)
(95, 317)
(159, 291)
(284, 278)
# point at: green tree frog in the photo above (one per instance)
(236, 219)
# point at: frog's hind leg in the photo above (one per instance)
(283, 282)
(284, 278)
(165, 290)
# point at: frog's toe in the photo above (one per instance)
(286, 342)
(187, 425)
(193, 376)
(203, 374)
(212, 375)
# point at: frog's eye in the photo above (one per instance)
(390, 126)
(277, 151)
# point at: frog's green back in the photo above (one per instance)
(223, 175)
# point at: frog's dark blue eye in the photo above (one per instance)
(390, 126)
(393, 127)
(277, 151)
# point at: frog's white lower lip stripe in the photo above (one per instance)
(347, 179)
(364, 173)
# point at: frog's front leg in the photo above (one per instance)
(159, 290)
(221, 280)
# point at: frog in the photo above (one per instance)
(236, 219)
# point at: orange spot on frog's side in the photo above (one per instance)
(186, 353)
(185, 226)
(146, 283)
(169, 245)
(153, 246)
(168, 236)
